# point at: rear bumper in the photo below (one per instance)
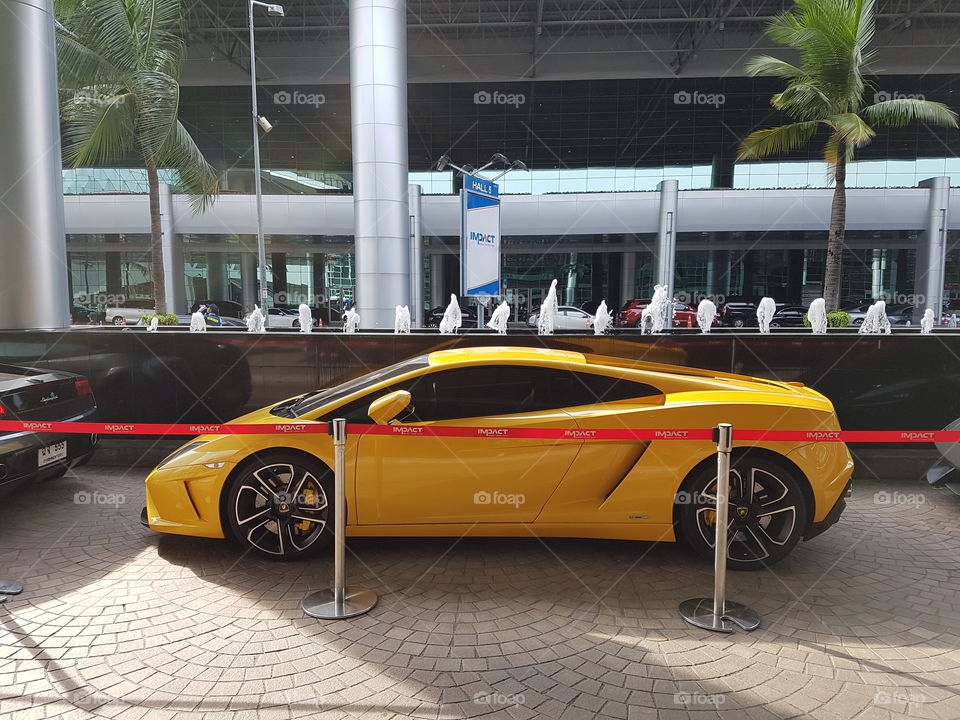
(19, 453)
(833, 516)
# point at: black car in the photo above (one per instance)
(42, 396)
(738, 313)
(468, 314)
(789, 316)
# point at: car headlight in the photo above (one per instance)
(177, 453)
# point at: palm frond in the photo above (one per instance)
(104, 26)
(158, 100)
(903, 111)
(767, 65)
(777, 140)
(99, 129)
(80, 66)
(196, 176)
(851, 129)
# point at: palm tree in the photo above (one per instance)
(826, 92)
(119, 66)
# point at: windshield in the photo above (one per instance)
(311, 402)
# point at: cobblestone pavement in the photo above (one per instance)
(120, 622)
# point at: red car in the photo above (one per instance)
(683, 315)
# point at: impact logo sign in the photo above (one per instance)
(483, 238)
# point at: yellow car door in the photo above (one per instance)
(416, 478)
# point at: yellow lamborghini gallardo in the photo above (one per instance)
(274, 493)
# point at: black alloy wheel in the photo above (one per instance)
(767, 512)
(281, 506)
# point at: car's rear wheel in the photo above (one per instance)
(738, 322)
(281, 506)
(767, 511)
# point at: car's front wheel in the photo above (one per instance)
(281, 506)
(767, 511)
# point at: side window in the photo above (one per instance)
(581, 388)
(489, 390)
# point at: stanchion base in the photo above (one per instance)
(699, 612)
(355, 602)
(10, 587)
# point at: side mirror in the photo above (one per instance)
(386, 408)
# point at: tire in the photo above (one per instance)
(774, 324)
(118, 320)
(280, 505)
(738, 322)
(296, 323)
(762, 532)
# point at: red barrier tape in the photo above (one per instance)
(847, 436)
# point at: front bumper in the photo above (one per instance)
(943, 475)
(833, 516)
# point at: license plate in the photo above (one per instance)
(52, 454)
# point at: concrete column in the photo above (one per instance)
(172, 253)
(416, 257)
(666, 249)
(216, 276)
(628, 276)
(571, 279)
(931, 254)
(436, 280)
(33, 274)
(378, 101)
(248, 274)
(876, 273)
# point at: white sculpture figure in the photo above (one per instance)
(306, 319)
(256, 321)
(926, 324)
(351, 321)
(498, 321)
(198, 323)
(602, 320)
(660, 310)
(646, 322)
(817, 315)
(706, 312)
(452, 317)
(547, 319)
(154, 321)
(765, 311)
(401, 320)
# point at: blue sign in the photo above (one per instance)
(480, 238)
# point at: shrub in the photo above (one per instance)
(837, 318)
(167, 319)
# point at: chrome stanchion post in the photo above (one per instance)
(339, 601)
(717, 613)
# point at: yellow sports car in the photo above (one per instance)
(274, 493)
